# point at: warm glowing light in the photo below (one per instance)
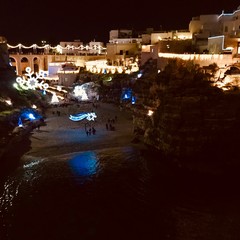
(150, 113)
(101, 66)
(120, 70)
(86, 91)
(200, 57)
(9, 102)
(80, 91)
(59, 48)
(59, 88)
(54, 98)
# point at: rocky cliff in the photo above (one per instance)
(194, 119)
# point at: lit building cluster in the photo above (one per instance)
(126, 51)
(101, 66)
(57, 67)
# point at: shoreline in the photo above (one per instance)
(60, 135)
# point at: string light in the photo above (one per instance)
(58, 47)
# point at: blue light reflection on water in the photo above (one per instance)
(121, 191)
(85, 164)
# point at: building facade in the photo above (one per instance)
(217, 33)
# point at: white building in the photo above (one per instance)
(170, 35)
(217, 33)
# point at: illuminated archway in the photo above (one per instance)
(36, 64)
(13, 63)
(25, 64)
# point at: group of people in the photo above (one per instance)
(57, 112)
(90, 131)
(110, 122)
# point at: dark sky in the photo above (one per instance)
(29, 22)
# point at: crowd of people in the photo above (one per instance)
(89, 126)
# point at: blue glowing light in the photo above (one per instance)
(20, 124)
(28, 114)
(133, 99)
(127, 94)
(31, 116)
(84, 115)
(84, 164)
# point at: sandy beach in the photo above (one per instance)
(62, 135)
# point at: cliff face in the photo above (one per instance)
(196, 126)
(194, 119)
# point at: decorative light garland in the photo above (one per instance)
(58, 47)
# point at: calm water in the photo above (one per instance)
(119, 193)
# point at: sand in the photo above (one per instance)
(62, 135)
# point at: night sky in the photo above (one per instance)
(29, 22)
